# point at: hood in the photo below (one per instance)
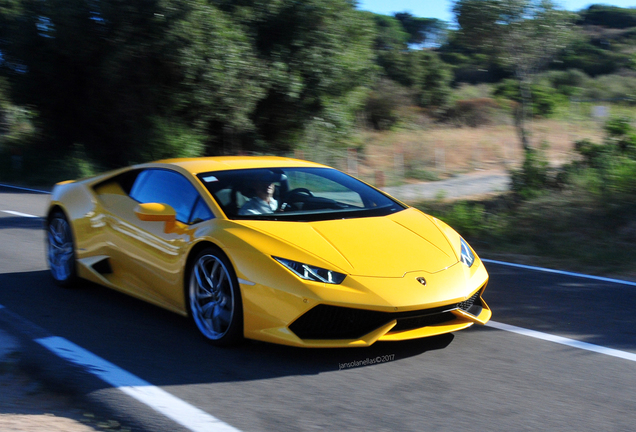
(388, 246)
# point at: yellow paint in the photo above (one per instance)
(382, 256)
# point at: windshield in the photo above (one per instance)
(297, 194)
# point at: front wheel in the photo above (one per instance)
(214, 298)
(61, 250)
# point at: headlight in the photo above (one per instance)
(468, 257)
(307, 272)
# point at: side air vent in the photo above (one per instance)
(472, 305)
(103, 266)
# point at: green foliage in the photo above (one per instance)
(593, 60)
(420, 70)
(132, 81)
(478, 23)
(569, 82)
(563, 228)
(172, 139)
(592, 153)
(608, 16)
(608, 87)
(525, 35)
(319, 59)
(390, 33)
(610, 177)
(607, 170)
(384, 102)
(622, 134)
(17, 125)
(467, 91)
(422, 31)
(76, 164)
(467, 219)
(432, 79)
(29, 168)
(532, 178)
(543, 100)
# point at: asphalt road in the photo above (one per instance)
(478, 379)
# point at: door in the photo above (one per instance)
(147, 260)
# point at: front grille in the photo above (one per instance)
(410, 323)
(334, 322)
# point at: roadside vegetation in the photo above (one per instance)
(545, 94)
(578, 216)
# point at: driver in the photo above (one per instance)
(263, 202)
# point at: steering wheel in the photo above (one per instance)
(293, 196)
(303, 191)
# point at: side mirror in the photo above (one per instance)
(155, 212)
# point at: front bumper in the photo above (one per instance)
(363, 310)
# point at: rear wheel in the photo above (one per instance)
(61, 250)
(214, 298)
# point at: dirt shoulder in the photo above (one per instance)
(478, 182)
(27, 404)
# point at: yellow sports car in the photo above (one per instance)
(267, 248)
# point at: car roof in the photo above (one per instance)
(222, 163)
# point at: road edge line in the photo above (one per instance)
(24, 189)
(573, 343)
(561, 272)
(155, 398)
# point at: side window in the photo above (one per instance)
(168, 187)
(200, 212)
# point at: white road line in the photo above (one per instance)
(161, 401)
(15, 213)
(561, 272)
(563, 341)
(24, 189)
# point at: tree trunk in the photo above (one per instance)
(526, 106)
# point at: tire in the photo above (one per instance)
(61, 250)
(214, 298)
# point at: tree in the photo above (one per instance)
(129, 81)
(132, 81)
(318, 62)
(422, 31)
(608, 16)
(422, 71)
(524, 34)
(433, 77)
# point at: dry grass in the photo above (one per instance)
(444, 151)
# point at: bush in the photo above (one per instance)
(469, 91)
(472, 112)
(532, 178)
(592, 153)
(569, 82)
(620, 131)
(608, 16)
(611, 87)
(469, 219)
(44, 168)
(383, 103)
(621, 177)
(543, 98)
(607, 170)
